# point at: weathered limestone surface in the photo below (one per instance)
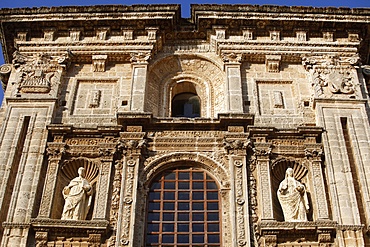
(276, 89)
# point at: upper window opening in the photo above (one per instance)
(186, 105)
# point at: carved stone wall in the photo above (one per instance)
(94, 87)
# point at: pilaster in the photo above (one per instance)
(55, 151)
(236, 144)
(233, 86)
(139, 63)
(262, 153)
(132, 145)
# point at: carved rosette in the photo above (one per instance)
(5, 70)
(38, 73)
(331, 75)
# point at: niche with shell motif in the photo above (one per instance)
(68, 171)
(278, 170)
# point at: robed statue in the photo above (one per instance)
(293, 198)
(77, 195)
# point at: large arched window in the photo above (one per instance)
(183, 209)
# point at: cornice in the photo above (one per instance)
(274, 12)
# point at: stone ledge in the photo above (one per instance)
(55, 225)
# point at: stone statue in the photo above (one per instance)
(77, 195)
(293, 198)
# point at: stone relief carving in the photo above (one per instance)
(38, 73)
(331, 75)
(231, 57)
(140, 57)
(293, 198)
(77, 195)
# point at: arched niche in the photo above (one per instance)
(68, 171)
(175, 74)
(278, 170)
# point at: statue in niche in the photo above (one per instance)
(77, 195)
(293, 198)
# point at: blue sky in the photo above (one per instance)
(185, 6)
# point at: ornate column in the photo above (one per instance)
(233, 87)
(313, 154)
(262, 151)
(235, 145)
(106, 152)
(55, 151)
(132, 144)
(139, 63)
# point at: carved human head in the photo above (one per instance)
(289, 172)
(81, 171)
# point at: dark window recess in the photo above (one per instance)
(183, 209)
(186, 105)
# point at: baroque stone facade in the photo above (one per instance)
(185, 128)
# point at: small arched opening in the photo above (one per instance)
(185, 101)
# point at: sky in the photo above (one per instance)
(185, 6)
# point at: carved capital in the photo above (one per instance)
(99, 62)
(313, 153)
(266, 151)
(235, 146)
(140, 58)
(56, 150)
(273, 63)
(233, 58)
(132, 144)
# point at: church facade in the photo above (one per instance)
(242, 125)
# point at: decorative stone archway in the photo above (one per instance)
(159, 164)
(164, 73)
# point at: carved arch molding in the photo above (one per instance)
(206, 75)
(160, 163)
